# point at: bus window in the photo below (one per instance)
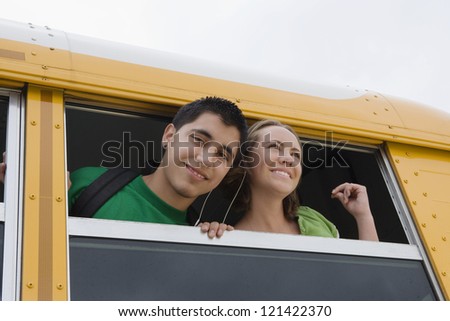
(10, 203)
(134, 261)
(119, 260)
(109, 138)
(134, 140)
(3, 117)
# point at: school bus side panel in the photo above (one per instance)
(44, 273)
(424, 175)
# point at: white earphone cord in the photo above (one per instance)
(229, 207)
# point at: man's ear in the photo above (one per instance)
(169, 133)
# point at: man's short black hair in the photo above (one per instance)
(228, 111)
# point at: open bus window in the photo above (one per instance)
(111, 138)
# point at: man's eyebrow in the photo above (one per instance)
(203, 132)
(208, 135)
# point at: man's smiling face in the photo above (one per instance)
(198, 155)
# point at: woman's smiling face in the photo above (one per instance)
(277, 161)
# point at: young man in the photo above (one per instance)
(200, 146)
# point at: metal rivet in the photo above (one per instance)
(52, 48)
(414, 202)
(30, 285)
(238, 100)
(32, 196)
(425, 194)
(416, 173)
(59, 199)
(57, 126)
(50, 35)
(44, 79)
(60, 286)
(424, 224)
(33, 123)
(375, 113)
(444, 238)
(375, 96)
(367, 99)
(405, 181)
(434, 215)
(33, 53)
(444, 273)
(408, 154)
(433, 248)
(31, 26)
(386, 109)
(44, 67)
(34, 39)
(390, 126)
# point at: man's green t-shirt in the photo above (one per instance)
(134, 202)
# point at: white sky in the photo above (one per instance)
(396, 47)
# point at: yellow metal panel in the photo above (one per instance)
(45, 241)
(30, 258)
(11, 84)
(369, 115)
(60, 288)
(424, 175)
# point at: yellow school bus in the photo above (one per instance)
(63, 96)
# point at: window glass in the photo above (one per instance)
(113, 269)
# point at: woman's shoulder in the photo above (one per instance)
(313, 223)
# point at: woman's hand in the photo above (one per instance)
(215, 229)
(355, 200)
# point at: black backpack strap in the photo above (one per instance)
(101, 190)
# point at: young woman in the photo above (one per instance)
(270, 174)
